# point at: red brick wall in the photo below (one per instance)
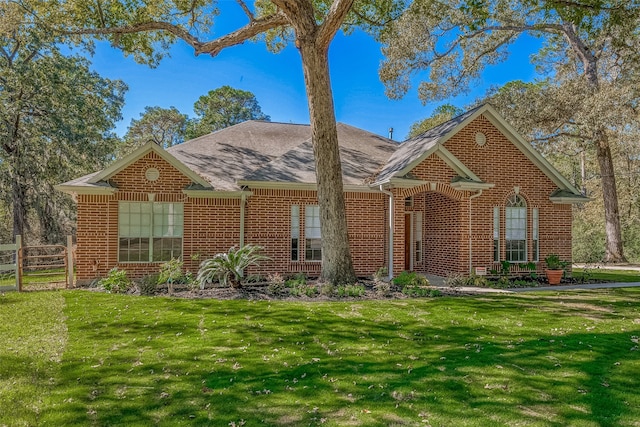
(213, 225)
(446, 211)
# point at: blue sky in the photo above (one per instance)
(277, 81)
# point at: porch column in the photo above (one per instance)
(398, 231)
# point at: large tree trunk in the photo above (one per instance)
(614, 248)
(337, 266)
(19, 197)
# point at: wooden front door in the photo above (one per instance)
(407, 242)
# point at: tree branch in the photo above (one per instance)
(336, 16)
(247, 12)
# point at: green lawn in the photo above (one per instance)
(624, 276)
(542, 359)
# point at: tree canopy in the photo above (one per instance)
(56, 117)
(440, 115)
(164, 126)
(144, 29)
(224, 107)
(590, 51)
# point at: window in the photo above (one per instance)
(313, 241)
(418, 236)
(516, 229)
(496, 234)
(535, 244)
(149, 231)
(295, 233)
(408, 202)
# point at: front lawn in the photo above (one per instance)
(87, 358)
(605, 275)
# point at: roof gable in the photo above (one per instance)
(413, 151)
(137, 154)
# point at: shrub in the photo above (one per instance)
(383, 289)
(350, 291)
(148, 284)
(380, 274)
(298, 279)
(276, 284)
(420, 291)
(457, 280)
(171, 272)
(410, 279)
(327, 289)
(228, 268)
(303, 289)
(116, 281)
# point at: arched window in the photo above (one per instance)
(515, 213)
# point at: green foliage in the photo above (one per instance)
(302, 289)
(228, 268)
(440, 115)
(223, 107)
(382, 289)
(164, 126)
(171, 272)
(410, 279)
(148, 285)
(56, 122)
(554, 262)
(460, 280)
(327, 289)
(298, 279)
(381, 274)
(350, 291)
(414, 290)
(116, 281)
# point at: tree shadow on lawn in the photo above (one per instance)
(216, 363)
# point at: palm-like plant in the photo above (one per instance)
(228, 268)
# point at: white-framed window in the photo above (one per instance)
(516, 229)
(313, 238)
(295, 233)
(149, 232)
(496, 234)
(417, 233)
(535, 235)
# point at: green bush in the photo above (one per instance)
(410, 279)
(171, 272)
(148, 284)
(420, 291)
(350, 291)
(115, 282)
(228, 268)
(298, 279)
(327, 289)
(300, 289)
(383, 289)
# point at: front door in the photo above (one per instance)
(407, 242)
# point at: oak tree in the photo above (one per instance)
(591, 43)
(145, 29)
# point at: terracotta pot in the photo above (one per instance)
(554, 276)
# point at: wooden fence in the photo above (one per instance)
(38, 262)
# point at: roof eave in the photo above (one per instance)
(472, 186)
(572, 200)
(79, 189)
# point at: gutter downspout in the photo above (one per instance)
(243, 202)
(391, 224)
(473, 196)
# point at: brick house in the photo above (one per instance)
(468, 193)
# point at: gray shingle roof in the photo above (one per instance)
(267, 151)
(414, 148)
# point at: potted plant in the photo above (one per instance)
(555, 268)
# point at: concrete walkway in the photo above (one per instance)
(439, 282)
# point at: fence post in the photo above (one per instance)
(69, 261)
(19, 262)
